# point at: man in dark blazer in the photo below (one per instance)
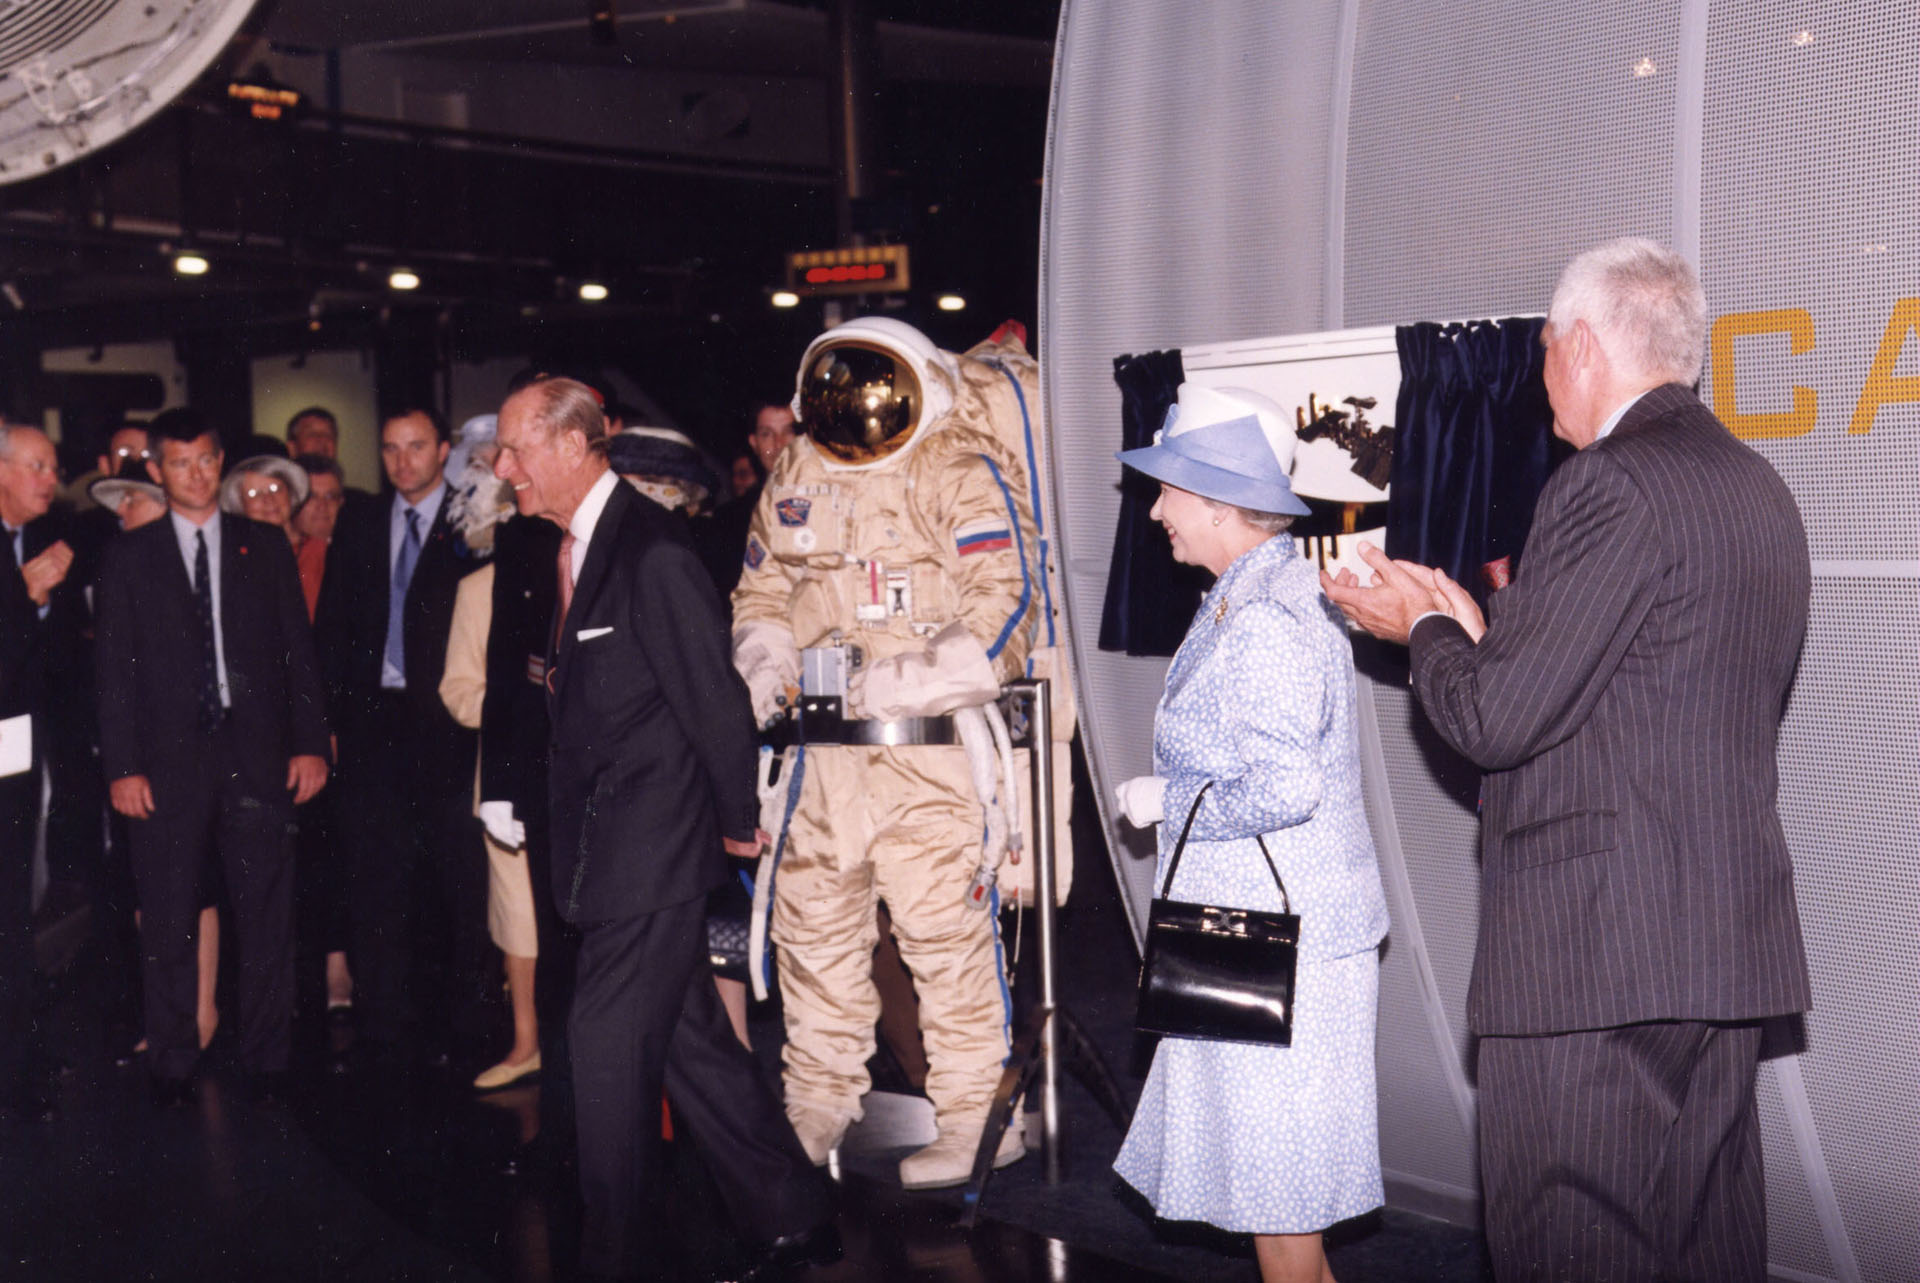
(212, 729)
(651, 777)
(36, 629)
(1637, 917)
(406, 767)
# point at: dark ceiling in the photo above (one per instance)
(305, 221)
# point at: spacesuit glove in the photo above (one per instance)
(769, 663)
(501, 826)
(1143, 800)
(952, 672)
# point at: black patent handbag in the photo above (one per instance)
(1217, 973)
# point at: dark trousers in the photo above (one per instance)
(204, 811)
(1624, 1155)
(416, 886)
(19, 1034)
(645, 1013)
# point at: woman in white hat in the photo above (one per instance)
(1277, 1142)
(266, 488)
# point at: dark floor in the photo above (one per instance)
(383, 1174)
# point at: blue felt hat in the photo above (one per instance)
(1214, 445)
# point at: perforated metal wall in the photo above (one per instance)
(1287, 168)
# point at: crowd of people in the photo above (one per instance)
(516, 697)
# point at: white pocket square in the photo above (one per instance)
(588, 634)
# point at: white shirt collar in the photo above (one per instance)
(428, 508)
(587, 516)
(1613, 420)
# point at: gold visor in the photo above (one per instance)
(859, 402)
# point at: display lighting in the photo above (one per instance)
(785, 298)
(593, 292)
(402, 279)
(855, 269)
(950, 303)
(190, 265)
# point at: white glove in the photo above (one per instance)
(1143, 800)
(501, 826)
(952, 672)
(769, 663)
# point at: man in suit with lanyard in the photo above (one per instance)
(650, 778)
(211, 732)
(1637, 917)
(406, 767)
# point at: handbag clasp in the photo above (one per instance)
(1232, 922)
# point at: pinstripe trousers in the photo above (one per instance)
(1624, 1155)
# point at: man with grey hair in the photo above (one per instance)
(1637, 916)
(650, 777)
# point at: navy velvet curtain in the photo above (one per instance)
(1150, 598)
(1475, 444)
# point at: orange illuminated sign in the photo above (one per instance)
(857, 269)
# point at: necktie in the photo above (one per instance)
(397, 593)
(565, 568)
(209, 662)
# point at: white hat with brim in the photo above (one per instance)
(290, 474)
(1214, 444)
(111, 492)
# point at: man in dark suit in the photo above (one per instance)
(651, 777)
(211, 731)
(33, 602)
(406, 767)
(1637, 916)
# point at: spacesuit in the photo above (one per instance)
(898, 526)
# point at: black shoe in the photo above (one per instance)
(172, 1093)
(789, 1255)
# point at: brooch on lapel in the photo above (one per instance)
(1220, 611)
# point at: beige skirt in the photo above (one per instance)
(510, 901)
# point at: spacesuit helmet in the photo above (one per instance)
(866, 389)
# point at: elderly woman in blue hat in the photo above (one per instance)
(1278, 1142)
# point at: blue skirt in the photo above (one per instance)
(1268, 1140)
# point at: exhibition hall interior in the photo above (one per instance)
(959, 640)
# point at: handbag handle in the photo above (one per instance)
(1179, 848)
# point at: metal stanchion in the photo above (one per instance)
(1040, 756)
(1038, 1044)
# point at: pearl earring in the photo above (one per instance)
(1218, 520)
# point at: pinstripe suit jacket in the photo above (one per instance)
(1625, 703)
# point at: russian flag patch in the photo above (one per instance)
(983, 536)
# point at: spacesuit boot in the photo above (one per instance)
(949, 1160)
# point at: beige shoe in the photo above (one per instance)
(506, 1073)
(819, 1130)
(949, 1160)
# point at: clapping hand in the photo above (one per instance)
(45, 572)
(1400, 593)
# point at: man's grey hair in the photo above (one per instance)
(1643, 302)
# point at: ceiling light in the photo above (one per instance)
(785, 298)
(592, 291)
(1644, 68)
(190, 265)
(402, 279)
(950, 303)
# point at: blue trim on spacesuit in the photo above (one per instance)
(1000, 972)
(1020, 544)
(1033, 495)
(780, 849)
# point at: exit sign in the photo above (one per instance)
(858, 269)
